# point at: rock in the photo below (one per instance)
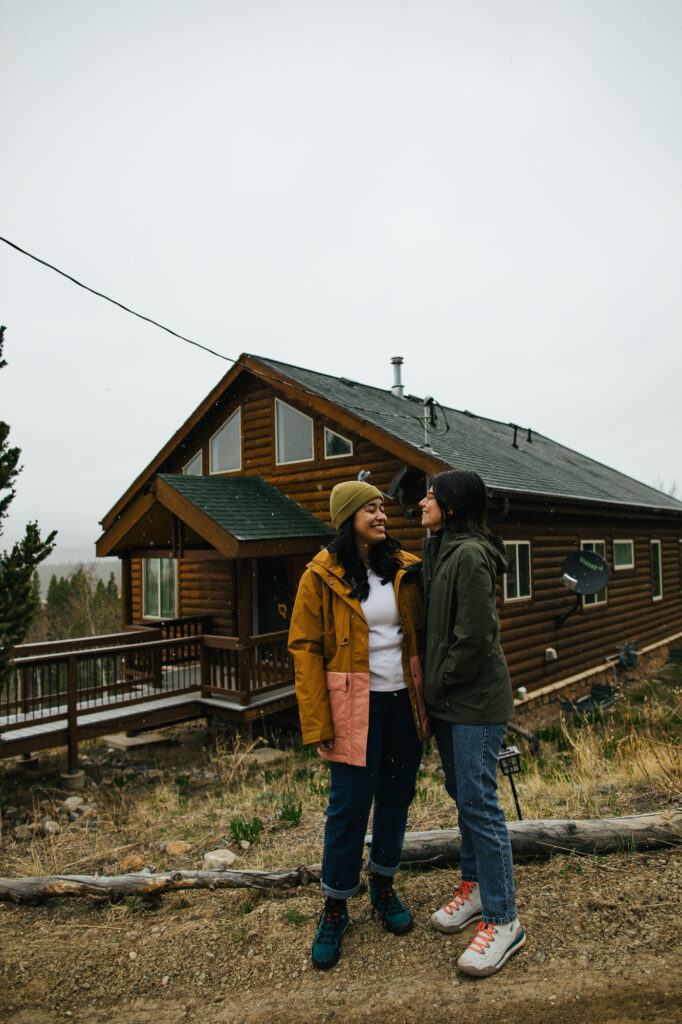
(133, 862)
(50, 827)
(219, 860)
(22, 832)
(72, 803)
(177, 847)
(165, 980)
(244, 843)
(265, 755)
(132, 955)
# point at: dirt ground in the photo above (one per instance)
(604, 944)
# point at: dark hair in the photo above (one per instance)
(382, 559)
(463, 500)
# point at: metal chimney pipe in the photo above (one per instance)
(397, 388)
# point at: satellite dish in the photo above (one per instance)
(585, 572)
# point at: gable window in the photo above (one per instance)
(294, 434)
(656, 572)
(225, 447)
(517, 579)
(159, 588)
(335, 445)
(599, 547)
(193, 467)
(623, 554)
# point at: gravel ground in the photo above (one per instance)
(604, 944)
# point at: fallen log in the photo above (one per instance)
(529, 839)
(146, 883)
(541, 838)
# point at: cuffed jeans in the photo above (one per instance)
(393, 757)
(469, 756)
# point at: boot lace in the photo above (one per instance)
(386, 893)
(460, 896)
(484, 936)
(330, 924)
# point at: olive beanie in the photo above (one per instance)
(348, 497)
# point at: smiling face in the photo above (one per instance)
(432, 517)
(369, 525)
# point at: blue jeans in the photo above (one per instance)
(469, 757)
(393, 756)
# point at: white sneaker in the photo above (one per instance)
(492, 946)
(464, 908)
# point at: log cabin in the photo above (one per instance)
(222, 521)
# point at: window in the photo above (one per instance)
(159, 579)
(193, 467)
(335, 445)
(623, 554)
(599, 547)
(294, 434)
(517, 580)
(226, 445)
(656, 573)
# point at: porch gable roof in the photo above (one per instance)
(236, 516)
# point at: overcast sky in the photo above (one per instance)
(490, 189)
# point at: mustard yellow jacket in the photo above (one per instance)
(329, 642)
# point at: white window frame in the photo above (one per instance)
(592, 600)
(520, 597)
(631, 563)
(145, 614)
(335, 433)
(655, 545)
(197, 455)
(293, 462)
(234, 469)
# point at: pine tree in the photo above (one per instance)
(18, 595)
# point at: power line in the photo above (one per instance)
(127, 309)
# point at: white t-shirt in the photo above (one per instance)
(385, 636)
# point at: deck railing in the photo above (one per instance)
(67, 679)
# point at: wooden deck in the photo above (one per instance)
(61, 694)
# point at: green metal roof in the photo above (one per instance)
(247, 507)
(537, 466)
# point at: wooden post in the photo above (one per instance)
(126, 592)
(72, 710)
(244, 625)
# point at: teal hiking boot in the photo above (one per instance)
(333, 923)
(385, 903)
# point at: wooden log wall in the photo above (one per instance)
(528, 626)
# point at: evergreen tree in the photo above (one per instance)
(18, 596)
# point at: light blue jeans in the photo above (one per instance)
(469, 757)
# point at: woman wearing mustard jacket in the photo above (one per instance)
(354, 637)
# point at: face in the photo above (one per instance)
(369, 525)
(432, 517)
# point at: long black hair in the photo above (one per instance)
(382, 559)
(463, 500)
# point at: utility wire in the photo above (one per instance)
(127, 309)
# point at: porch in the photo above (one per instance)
(62, 693)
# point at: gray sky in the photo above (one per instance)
(490, 189)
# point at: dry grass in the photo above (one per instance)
(624, 761)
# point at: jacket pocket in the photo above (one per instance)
(339, 700)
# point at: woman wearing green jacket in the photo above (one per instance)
(468, 694)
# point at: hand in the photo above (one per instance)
(327, 744)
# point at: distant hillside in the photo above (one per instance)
(102, 568)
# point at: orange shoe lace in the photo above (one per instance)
(484, 936)
(460, 896)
